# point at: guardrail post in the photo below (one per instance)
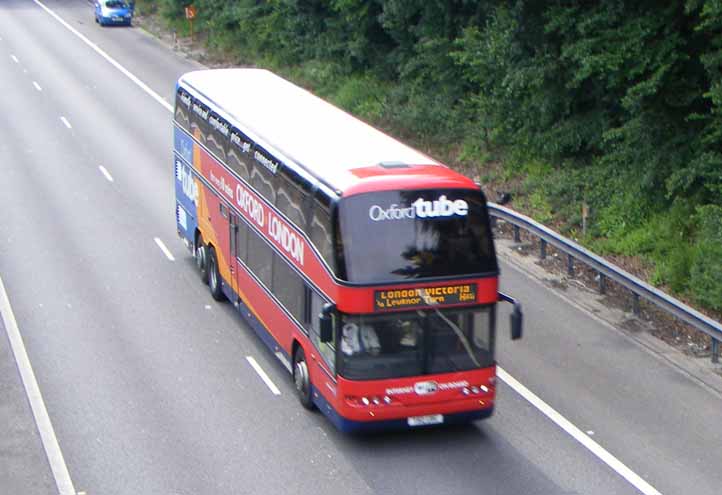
(635, 304)
(517, 236)
(570, 265)
(493, 223)
(542, 249)
(715, 350)
(602, 283)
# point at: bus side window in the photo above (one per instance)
(326, 349)
(182, 110)
(263, 179)
(263, 184)
(239, 148)
(291, 197)
(237, 163)
(217, 138)
(288, 287)
(199, 124)
(260, 258)
(320, 230)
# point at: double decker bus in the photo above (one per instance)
(366, 267)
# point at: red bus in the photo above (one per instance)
(366, 267)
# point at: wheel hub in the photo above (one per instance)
(214, 280)
(301, 378)
(200, 257)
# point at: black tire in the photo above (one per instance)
(202, 259)
(302, 379)
(214, 277)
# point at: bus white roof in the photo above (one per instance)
(320, 137)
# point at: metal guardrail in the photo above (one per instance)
(607, 270)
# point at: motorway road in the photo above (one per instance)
(145, 378)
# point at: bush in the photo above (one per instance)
(362, 96)
(706, 269)
(617, 105)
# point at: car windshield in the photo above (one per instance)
(416, 343)
(116, 4)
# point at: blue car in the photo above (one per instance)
(110, 12)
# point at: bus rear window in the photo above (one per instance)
(399, 235)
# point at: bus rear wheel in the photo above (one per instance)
(214, 278)
(202, 259)
(302, 379)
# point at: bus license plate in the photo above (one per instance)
(432, 419)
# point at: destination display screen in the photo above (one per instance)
(391, 299)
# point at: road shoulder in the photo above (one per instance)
(699, 369)
(23, 465)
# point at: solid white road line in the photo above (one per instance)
(590, 444)
(37, 86)
(266, 379)
(163, 248)
(105, 172)
(37, 404)
(65, 121)
(581, 437)
(15, 59)
(108, 58)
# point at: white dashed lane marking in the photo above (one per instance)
(266, 379)
(105, 173)
(163, 248)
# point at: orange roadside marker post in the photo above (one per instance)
(190, 15)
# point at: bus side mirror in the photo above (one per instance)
(516, 319)
(326, 323)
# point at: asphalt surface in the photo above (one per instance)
(23, 466)
(145, 378)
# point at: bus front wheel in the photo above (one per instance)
(301, 378)
(214, 278)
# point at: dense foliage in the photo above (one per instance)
(615, 104)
